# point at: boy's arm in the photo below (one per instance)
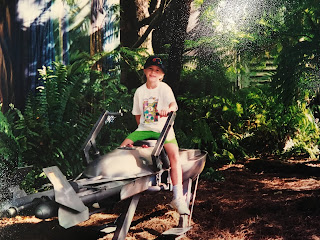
(172, 108)
(137, 119)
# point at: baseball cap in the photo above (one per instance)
(156, 61)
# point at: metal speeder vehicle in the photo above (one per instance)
(123, 173)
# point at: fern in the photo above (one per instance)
(10, 154)
(60, 113)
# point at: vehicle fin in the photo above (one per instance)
(64, 192)
(69, 218)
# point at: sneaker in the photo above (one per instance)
(180, 206)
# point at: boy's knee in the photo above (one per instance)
(126, 142)
(174, 159)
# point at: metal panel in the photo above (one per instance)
(69, 218)
(64, 193)
(124, 221)
(137, 186)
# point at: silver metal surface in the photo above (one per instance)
(193, 166)
(124, 221)
(136, 186)
(123, 173)
(176, 231)
(69, 218)
(121, 163)
(64, 193)
(193, 199)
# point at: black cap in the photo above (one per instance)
(155, 61)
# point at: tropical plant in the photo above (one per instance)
(51, 128)
(249, 123)
(213, 125)
(10, 154)
(60, 114)
(298, 65)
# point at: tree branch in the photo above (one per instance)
(154, 19)
(148, 20)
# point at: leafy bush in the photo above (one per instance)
(10, 154)
(205, 79)
(212, 125)
(59, 116)
(251, 122)
(271, 124)
(51, 128)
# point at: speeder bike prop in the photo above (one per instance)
(124, 173)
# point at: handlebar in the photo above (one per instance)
(114, 113)
(91, 139)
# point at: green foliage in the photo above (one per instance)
(51, 129)
(295, 69)
(131, 62)
(213, 126)
(287, 30)
(305, 139)
(252, 122)
(207, 78)
(212, 175)
(266, 123)
(10, 156)
(238, 31)
(59, 116)
(298, 65)
(269, 124)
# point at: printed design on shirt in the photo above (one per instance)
(150, 110)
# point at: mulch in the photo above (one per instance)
(261, 198)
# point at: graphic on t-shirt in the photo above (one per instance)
(150, 110)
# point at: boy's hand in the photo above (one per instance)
(163, 113)
(172, 108)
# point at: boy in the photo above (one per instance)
(151, 104)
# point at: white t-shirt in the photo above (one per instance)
(147, 103)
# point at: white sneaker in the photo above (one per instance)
(180, 206)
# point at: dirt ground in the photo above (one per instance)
(259, 199)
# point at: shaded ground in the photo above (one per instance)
(259, 199)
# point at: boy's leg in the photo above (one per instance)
(173, 155)
(126, 142)
(178, 201)
(139, 135)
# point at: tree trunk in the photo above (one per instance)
(136, 25)
(23, 50)
(143, 13)
(13, 84)
(6, 70)
(97, 23)
(128, 23)
(180, 12)
(136, 17)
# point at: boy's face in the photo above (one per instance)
(153, 73)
